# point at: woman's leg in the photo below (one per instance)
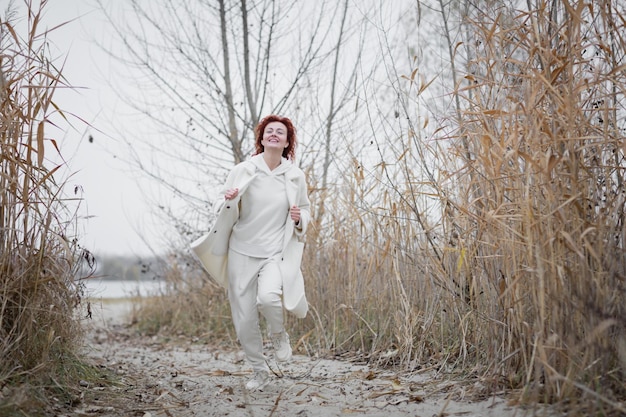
(242, 294)
(270, 303)
(269, 292)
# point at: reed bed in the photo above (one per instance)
(497, 250)
(541, 222)
(40, 329)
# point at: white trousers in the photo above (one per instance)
(254, 284)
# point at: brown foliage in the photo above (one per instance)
(39, 328)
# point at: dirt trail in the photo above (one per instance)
(186, 379)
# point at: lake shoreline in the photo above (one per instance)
(107, 288)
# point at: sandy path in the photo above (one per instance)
(181, 378)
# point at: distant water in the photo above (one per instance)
(102, 288)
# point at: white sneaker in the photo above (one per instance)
(282, 346)
(260, 381)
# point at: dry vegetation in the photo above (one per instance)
(39, 330)
(493, 249)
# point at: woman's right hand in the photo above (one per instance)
(232, 193)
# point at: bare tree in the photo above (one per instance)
(206, 72)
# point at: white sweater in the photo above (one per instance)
(263, 213)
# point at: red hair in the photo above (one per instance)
(290, 151)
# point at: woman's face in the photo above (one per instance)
(275, 136)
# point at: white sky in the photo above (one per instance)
(118, 221)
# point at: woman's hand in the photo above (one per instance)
(294, 212)
(232, 193)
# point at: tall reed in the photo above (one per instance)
(497, 249)
(543, 215)
(38, 253)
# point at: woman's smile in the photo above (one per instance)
(275, 135)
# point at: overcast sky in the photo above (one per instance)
(116, 218)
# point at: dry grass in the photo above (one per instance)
(496, 251)
(39, 330)
(499, 249)
(188, 303)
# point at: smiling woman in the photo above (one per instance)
(255, 247)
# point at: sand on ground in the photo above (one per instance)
(184, 378)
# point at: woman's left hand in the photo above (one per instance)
(294, 212)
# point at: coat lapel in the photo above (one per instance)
(291, 186)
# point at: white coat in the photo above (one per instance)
(212, 248)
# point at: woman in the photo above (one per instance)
(254, 249)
